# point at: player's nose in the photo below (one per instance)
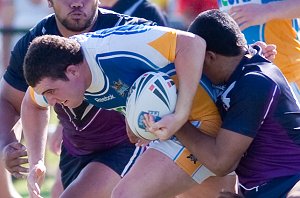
(77, 4)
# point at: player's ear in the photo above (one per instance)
(50, 5)
(210, 57)
(72, 71)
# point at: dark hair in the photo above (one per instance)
(220, 31)
(49, 56)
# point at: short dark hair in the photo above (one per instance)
(220, 31)
(49, 56)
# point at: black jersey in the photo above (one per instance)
(14, 73)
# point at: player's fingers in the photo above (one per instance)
(150, 125)
(161, 134)
(11, 162)
(261, 44)
(14, 154)
(17, 146)
(244, 25)
(235, 9)
(271, 48)
(20, 169)
(18, 175)
(37, 187)
(271, 57)
(142, 142)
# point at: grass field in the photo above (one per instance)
(51, 161)
(46, 188)
(52, 165)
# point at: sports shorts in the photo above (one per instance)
(182, 157)
(119, 158)
(278, 188)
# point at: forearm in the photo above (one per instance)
(10, 102)
(206, 150)
(286, 9)
(34, 122)
(8, 118)
(189, 63)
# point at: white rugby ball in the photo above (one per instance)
(152, 93)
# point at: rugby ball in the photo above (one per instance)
(152, 93)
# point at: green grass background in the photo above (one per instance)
(52, 165)
(51, 161)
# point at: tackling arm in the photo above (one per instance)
(221, 155)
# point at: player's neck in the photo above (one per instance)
(108, 3)
(231, 64)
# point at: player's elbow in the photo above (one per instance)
(222, 169)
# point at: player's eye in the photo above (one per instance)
(50, 92)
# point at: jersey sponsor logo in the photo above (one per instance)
(105, 98)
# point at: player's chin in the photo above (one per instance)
(73, 104)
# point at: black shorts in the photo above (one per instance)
(119, 158)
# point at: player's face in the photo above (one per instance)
(75, 15)
(69, 93)
(213, 69)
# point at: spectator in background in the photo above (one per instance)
(7, 11)
(18, 17)
(137, 8)
(189, 9)
(163, 4)
(273, 22)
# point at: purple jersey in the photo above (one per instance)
(89, 129)
(259, 103)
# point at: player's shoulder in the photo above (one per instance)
(128, 29)
(109, 18)
(46, 26)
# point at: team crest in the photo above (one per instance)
(120, 87)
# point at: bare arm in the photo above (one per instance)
(34, 121)
(7, 14)
(253, 14)
(10, 104)
(189, 58)
(221, 154)
(12, 150)
(190, 52)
